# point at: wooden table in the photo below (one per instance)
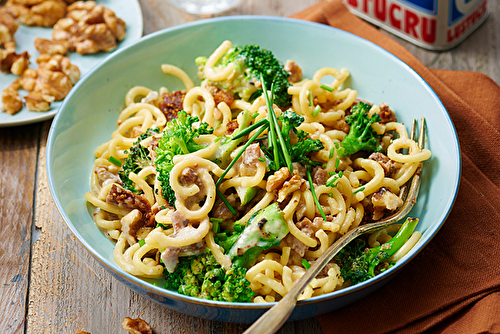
(51, 284)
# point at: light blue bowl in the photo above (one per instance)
(89, 114)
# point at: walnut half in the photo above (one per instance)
(51, 82)
(8, 27)
(46, 46)
(41, 13)
(136, 326)
(11, 101)
(89, 28)
(12, 62)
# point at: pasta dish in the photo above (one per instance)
(231, 189)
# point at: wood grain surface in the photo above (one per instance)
(51, 284)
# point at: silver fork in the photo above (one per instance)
(271, 321)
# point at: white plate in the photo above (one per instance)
(128, 10)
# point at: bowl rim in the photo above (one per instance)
(432, 231)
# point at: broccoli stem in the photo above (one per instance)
(388, 249)
(361, 268)
(265, 229)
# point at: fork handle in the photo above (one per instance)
(271, 321)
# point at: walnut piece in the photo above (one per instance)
(59, 63)
(295, 71)
(51, 82)
(89, 28)
(8, 27)
(289, 186)
(36, 101)
(276, 180)
(28, 79)
(41, 13)
(46, 46)
(136, 326)
(12, 62)
(11, 101)
(383, 200)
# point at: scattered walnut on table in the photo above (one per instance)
(136, 326)
(89, 28)
(41, 13)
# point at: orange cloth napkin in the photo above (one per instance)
(453, 285)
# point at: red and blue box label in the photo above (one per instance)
(433, 24)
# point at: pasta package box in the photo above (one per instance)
(431, 24)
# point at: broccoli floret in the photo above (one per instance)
(201, 276)
(299, 151)
(177, 139)
(138, 159)
(250, 61)
(229, 241)
(265, 229)
(361, 136)
(290, 121)
(236, 289)
(358, 266)
(210, 288)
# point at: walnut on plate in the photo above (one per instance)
(46, 46)
(89, 28)
(12, 62)
(8, 27)
(41, 13)
(51, 81)
(11, 101)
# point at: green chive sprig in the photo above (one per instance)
(328, 88)
(115, 161)
(273, 121)
(316, 201)
(231, 164)
(262, 122)
(221, 195)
